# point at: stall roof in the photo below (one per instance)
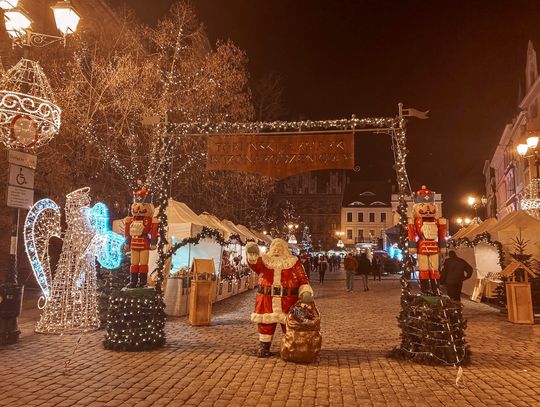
(216, 224)
(234, 229)
(248, 232)
(485, 226)
(516, 221)
(179, 212)
(464, 231)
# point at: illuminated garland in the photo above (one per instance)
(206, 233)
(484, 237)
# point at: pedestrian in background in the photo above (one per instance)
(455, 270)
(350, 264)
(364, 269)
(376, 268)
(323, 265)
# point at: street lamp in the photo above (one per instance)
(532, 144)
(18, 24)
(475, 203)
(340, 235)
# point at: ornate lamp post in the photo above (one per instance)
(340, 243)
(29, 118)
(18, 24)
(292, 238)
(476, 203)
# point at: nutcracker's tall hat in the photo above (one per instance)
(424, 195)
(142, 196)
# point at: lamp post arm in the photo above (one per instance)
(38, 40)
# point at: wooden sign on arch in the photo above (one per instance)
(281, 155)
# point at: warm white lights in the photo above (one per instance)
(532, 142)
(522, 149)
(66, 17)
(8, 4)
(17, 22)
(471, 200)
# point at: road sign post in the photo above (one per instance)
(20, 195)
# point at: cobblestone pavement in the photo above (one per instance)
(216, 366)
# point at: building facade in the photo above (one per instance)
(366, 214)
(316, 197)
(507, 174)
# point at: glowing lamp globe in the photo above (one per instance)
(471, 200)
(17, 22)
(532, 142)
(522, 149)
(8, 4)
(66, 17)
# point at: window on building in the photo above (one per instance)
(360, 216)
(349, 216)
(372, 233)
(372, 216)
(349, 233)
(383, 217)
(360, 235)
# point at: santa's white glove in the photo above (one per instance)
(252, 250)
(306, 297)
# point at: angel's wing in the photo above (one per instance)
(42, 223)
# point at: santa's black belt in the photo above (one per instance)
(277, 290)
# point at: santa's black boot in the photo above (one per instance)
(133, 280)
(264, 349)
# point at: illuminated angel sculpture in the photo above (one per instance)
(70, 298)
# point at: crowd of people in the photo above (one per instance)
(359, 264)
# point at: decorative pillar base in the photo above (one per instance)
(432, 331)
(136, 320)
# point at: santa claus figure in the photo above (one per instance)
(427, 237)
(141, 233)
(282, 282)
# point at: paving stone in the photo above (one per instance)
(216, 365)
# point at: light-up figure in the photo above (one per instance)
(70, 298)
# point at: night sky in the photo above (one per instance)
(462, 60)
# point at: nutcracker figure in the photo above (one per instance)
(141, 233)
(282, 282)
(427, 237)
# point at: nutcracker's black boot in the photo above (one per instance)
(143, 279)
(425, 287)
(133, 280)
(264, 349)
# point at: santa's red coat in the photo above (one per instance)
(287, 272)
